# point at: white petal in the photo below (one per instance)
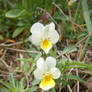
(51, 62)
(36, 27)
(46, 31)
(52, 26)
(41, 64)
(53, 36)
(38, 73)
(36, 37)
(55, 72)
(51, 33)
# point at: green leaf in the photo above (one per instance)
(85, 45)
(76, 64)
(87, 16)
(11, 79)
(35, 82)
(24, 60)
(3, 89)
(69, 49)
(53, 53)
(65, 82)
(22, 84)
(63, 61)
(33, 89)
(52, 90)
(14, 13)
(73, 77)
(37, 57)
(16, 90)
(6, 84)
(81, 34)
(17, 32)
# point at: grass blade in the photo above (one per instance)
(87, 16)
(73, 77)
(12, 82)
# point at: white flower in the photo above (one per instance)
(46, 71)
(44, 36)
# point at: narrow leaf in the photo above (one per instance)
(6, 84)
(11, 79)
(69, 49)
(17, 32)
(87, 16)
(14, 13)
(73, 77)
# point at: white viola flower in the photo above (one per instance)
(46, 71)
(44, 36)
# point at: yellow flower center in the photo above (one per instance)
(47, 82)
(46, 44)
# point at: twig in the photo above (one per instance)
(8, 67)
(61, 11)
(81, 40)
(12, 44)
(60, 54)
(69, 88)
(6, 75)
(1, 59)
(19, 50)
(77, 81)
(69, 85)
(26, 75)
(4, 54)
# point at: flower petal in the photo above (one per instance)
(38, 73)
(51, 62)
(36, 27)
(52, 33)
(41, 64)
(52, 26)
(48, 29)
(36, 37)
(46, 84)
(55, 72)
(46, 32)
(53, 36)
